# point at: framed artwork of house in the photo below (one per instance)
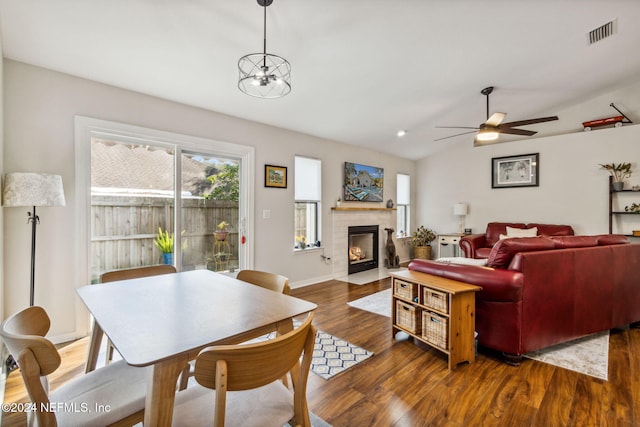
(363, 183)
(275, 176)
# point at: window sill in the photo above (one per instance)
(313, 249)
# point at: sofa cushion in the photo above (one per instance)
(520, 232)
(612, 239)
(504, 250)
(566, 242)
(552, 229)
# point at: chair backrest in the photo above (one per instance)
(242, 367)
(23, 333)
(134, 273)
(271, 281)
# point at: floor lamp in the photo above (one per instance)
(31, 189)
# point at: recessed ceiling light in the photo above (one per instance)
(401, 133)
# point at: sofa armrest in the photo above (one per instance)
(497, 284)
(471, 242)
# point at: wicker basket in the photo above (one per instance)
(406, 317)
(435, 329)
(436, 300)
(404, 290)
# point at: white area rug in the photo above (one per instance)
(588, 355)
(379, 303)
(369, 276)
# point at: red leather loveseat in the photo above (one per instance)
(479, 245)
(541, 291)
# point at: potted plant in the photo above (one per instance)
(301, 241)
(619, 172)
(164, 242)
(421, 239)
(222, 231)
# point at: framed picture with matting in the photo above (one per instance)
(515, 171)
(275, 176)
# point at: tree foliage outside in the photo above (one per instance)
(226, 185)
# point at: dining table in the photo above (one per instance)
(162, 322)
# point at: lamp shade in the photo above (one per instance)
(460, 209)
(32, 189)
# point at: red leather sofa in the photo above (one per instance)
(479, 245)
(541, 291)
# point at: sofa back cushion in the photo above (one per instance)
(552, 229)
(566, 242)
(504, 250)
(495, 229)
(612, 239)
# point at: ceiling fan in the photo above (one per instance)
(489, 130)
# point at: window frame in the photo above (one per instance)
(309, 200)
(403, 212)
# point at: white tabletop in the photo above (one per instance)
(152, 318)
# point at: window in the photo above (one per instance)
(308, 190)
(404, 203)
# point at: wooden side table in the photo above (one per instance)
(437, 311)
(450, 239)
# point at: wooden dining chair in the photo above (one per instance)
(240, 384)
(113, 395)
(131, 273)
(271, 281)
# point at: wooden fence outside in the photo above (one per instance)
(123, 229)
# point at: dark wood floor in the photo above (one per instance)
(405, 384)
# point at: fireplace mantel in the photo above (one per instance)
(355, 208)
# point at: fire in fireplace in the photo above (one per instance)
(363, 248)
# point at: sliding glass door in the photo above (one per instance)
(174, 200)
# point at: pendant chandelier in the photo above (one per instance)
(264, 75)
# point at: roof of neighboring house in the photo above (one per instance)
(139, 167)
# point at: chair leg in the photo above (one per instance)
(110, 350)
(184, 377)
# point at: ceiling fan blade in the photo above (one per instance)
(456, 127)
(528, 122)
(451, 136)
(495, 119)
(522, 132)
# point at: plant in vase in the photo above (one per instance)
(222, 231)
(164, 242)
(421, 239)
(301, 242)
(619, 172)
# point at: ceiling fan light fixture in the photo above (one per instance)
(487, 135)
(264, 75)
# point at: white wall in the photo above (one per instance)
(40, 106)
(573, 188)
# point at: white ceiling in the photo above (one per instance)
(361, 70)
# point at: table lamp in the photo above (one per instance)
(460, 209)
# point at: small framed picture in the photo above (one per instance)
(515, 171)
(275, 176)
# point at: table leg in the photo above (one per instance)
(161, 391)
(94, 348)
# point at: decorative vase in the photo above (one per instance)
(422, 252)
(617, 185)
(389, 203)
(167, 259)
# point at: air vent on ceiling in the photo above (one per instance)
(603, 31)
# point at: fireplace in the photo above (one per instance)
(362, 248)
